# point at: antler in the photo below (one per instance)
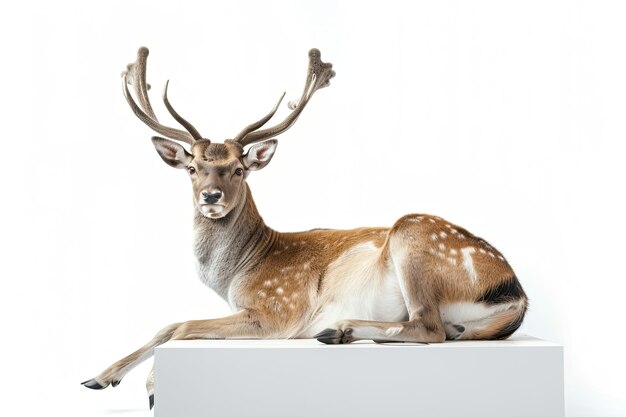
(318, 76)
(135, 75)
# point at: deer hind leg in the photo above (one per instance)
(418, 290)
(424, 326)
(495, 315)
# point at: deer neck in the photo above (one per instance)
(226, 248)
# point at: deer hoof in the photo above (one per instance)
(151, 400)
(335, 336)
(93, 384)
(329, 336)
(115, 383)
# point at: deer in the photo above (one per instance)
(422, 280)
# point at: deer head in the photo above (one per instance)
(218, 170)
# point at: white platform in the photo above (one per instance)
(522, 376)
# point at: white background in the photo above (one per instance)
(504, 117)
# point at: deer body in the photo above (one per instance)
(299, 284)
(422, 280)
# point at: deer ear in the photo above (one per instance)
(171, 152)
(259, 155)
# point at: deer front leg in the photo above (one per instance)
(150, 387)
(114, 373)
(245, 324)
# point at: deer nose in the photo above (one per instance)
(212, 196)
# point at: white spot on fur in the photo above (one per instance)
(468, 262)
(441, 255)
(453, 252)
(482, 251)
(443, 234)
(262, 293)
(393, 331)
(452, 261)
(492, 255)
(433, 236)
(267, 283)
(306, 266)
(432, 250)
(442, 246)
(431, 220)
(501, 257)
(279, 290)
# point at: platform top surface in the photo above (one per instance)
(521, 341)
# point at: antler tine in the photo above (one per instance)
(137, 73)
(138, 79)
(318, 76)
(184, 123)
(254, 126)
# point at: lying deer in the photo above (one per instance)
(422, 280)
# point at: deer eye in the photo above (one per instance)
(191, 170)
(239, 171)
